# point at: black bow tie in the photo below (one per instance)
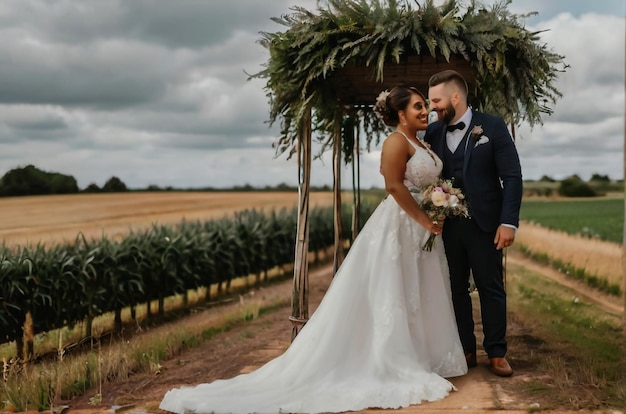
(460, 125)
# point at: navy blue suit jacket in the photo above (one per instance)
(492, 174)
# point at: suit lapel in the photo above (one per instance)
(469, 143)
(442, 142)
(439, 141)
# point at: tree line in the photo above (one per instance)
(573, 186)
(30, 180)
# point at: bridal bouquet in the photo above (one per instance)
(441, 200)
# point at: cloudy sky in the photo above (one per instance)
(157, 92)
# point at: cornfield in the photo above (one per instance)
(62, 285)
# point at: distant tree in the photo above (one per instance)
(24, 181)
(283, 187)
(114, 185)
(30, 180)
(63, 184)
(92, 188)
(602, 178)
(547, 179)
(574, 186)
(246, 187)
(154, 187)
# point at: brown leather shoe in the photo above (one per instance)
(470, 357)
(501, 367)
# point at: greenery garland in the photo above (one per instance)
(515, 74)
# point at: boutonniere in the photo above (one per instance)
(477, 134)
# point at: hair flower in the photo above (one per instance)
(380, 108)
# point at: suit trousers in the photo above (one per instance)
(468, 248)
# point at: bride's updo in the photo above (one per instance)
(388, 103)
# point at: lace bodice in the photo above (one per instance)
(422, 169)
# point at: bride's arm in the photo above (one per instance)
(394, 156)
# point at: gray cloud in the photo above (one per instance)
(157, 92)
(585, 135)
(180, 24)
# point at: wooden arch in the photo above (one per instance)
(342, 57)
(354, 86)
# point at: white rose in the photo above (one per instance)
(439, 198)
(453, 201)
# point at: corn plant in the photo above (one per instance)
(11, 288)
(281, 235)
(198, 268)
(167, 249)
(321, 232)
(131, 267)
(123, 282)
(25, 295)
(90, 278)
(223, 243)
(57, 268)
(252, 233)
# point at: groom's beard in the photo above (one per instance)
(448, 114)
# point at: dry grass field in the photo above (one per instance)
(596, 257)
(54, 219)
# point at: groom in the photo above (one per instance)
(480, 155)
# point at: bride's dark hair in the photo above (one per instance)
(389, 103)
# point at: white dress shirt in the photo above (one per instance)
(454, 138)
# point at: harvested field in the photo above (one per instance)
(596, 257)
(54, 219)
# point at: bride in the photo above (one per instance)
(384, 335)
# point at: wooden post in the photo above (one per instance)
(300, 291)
(338, 259)
(356, 163)
(624, 258)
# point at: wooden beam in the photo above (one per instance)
(357, 85)
(300, 291)
(339, 253)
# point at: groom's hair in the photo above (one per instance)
(451, 77)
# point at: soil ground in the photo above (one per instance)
(249, 345)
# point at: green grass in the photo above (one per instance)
(580, 350)
(601, 218)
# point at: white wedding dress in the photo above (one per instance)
(384, 335)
